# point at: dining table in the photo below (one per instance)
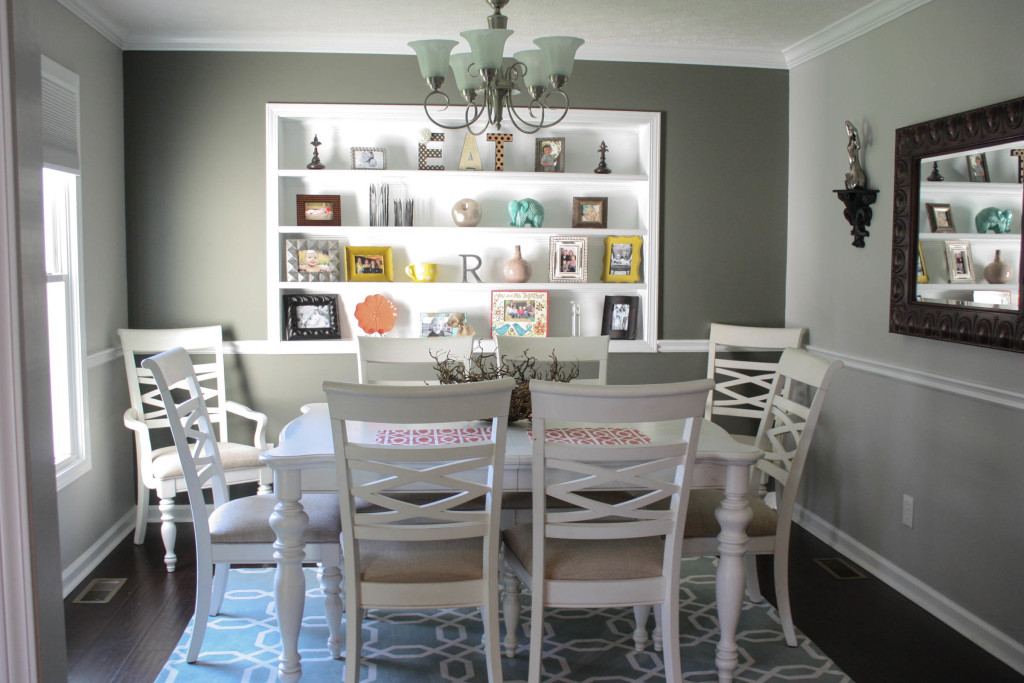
(304, 461)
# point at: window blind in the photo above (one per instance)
(60, 117)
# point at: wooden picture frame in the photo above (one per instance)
(622, 258)
(550, 155)
(620, 316)
(312, 260)
(311, 316)
(318, 209)
(977, 168)
(959, 263)
(590, 212)
(369, 264)
(519, 313)
(567, 259)
(370, 158)
(940, 218)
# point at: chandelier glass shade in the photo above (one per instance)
(487, 84)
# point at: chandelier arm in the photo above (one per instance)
(469, 119)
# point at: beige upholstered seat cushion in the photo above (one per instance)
(421, 561)
(247, 519)
(233, 456)
(700, 516)
(576, 560)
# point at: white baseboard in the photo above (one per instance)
(983, 634)
(78, 570)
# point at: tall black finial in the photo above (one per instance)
(602, 167)
(315, 163)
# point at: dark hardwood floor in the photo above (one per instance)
(871, 632)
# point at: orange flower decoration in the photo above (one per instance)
(376, 314)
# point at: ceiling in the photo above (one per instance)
(760, 33)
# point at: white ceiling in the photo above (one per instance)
(761, 33)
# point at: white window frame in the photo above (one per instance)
(65, 158)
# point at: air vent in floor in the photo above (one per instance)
(99, 591)
(839, 568)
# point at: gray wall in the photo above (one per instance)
(883, 436)
(194, 125)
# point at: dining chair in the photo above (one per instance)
(158, 466)
(608, 530)
(785, 434)
(396, 360)
(235, 531)
(590, 352)
(743, 361)
(437, 550)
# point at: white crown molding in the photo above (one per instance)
(101, 22)
(846, 29)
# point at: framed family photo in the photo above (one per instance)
(977, 168)
(958, 261)
(372, 158)
(622, 259)
(318, 209)
(312, 261)
(567, 259)
(620, 314)
(309, 316)
(369, 264)
(940, 218)
(519, 313)
(550, 156)
(590, 212)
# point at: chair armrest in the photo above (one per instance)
(132, 422)
(260, 437)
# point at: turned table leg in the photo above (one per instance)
(288, 521)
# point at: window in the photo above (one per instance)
(62, 245)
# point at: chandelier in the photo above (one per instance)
(487, 86)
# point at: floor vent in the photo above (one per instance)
(99, 591)
(840, 568)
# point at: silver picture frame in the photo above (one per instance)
(299, 266)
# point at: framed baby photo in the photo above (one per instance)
(437, 324)
(368, 264)
(550, 155)
(309, 316)
(567, 259)
(371, 158)
(940, 218)
(590, 212)
(318, 209)
(622, 259)
(312, 261)
(519, 313)
(958, 261)
(977, 168)
(620, 315)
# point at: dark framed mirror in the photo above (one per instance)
(956, 230)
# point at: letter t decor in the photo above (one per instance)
(499, 140)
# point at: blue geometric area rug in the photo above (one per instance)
(242, 643)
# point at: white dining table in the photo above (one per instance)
(304, 462)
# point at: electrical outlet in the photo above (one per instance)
(908, 511)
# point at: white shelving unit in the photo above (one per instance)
(632, 189)
(965, 200)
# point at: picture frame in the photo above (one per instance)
(922, 270)
(567, 259)
(370, 158)
(519, 313)
(550, 155)
(318, 209)
(620, 316)
(940, 218)
(312, 260)
(958, 261)
(977, 168)
(437, 324)
(590, 212)
(622, 258)
(368, 264)
(311, 316)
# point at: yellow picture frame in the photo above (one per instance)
(622, 259)
(369, 264)
(922, 269)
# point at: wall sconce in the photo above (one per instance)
(856, 196)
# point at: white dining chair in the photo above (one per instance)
(157, 463)
(408, 361)
(785, 433)
(586, 547)
(235, 531)
(743, 362)
(590, 352)
(435, 550)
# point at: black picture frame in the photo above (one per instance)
(552, 159)
(977, 167)
(620, 315)
(311, 316)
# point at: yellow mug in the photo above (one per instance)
(422, 272)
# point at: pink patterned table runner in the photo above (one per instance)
(603, 436)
